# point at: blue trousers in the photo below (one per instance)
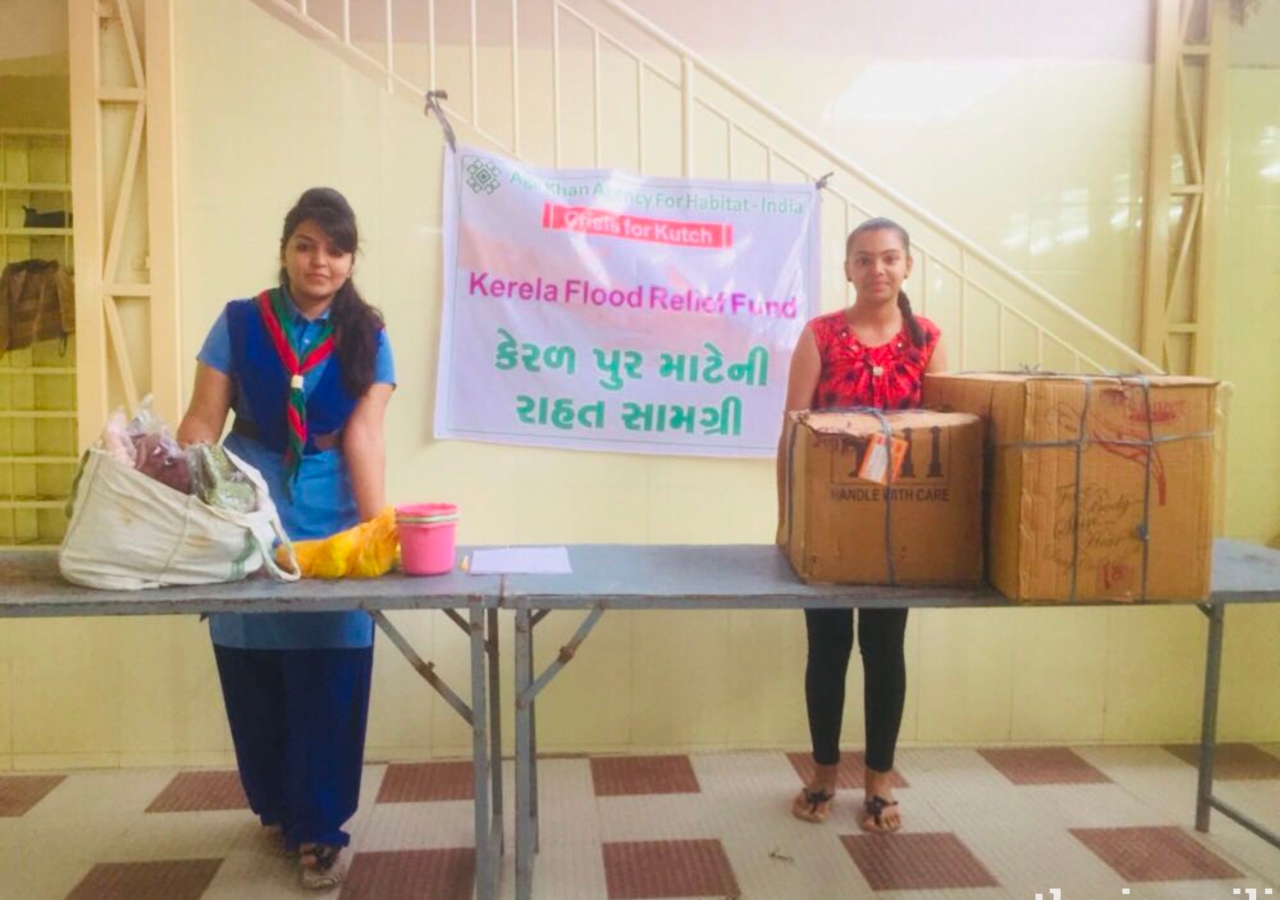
(298, 721)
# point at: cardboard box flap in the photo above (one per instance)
(1124, 415)
(861, 424)
(1033, 376)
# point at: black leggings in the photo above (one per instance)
(881, 633)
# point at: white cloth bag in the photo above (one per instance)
(129, 531)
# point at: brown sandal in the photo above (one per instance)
(874, 807)
(812, 806)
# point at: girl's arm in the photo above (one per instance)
(210, 402)
(364, 446)
(802, 382)
(937, 362)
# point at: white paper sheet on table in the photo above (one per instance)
(521, 561)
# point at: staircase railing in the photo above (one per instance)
(643, 88)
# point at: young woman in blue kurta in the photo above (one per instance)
(307, 370)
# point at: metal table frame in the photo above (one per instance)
(31, 587)
(759, 577)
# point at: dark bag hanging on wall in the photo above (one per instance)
(4, 308)
(37, 303)
(33, 218)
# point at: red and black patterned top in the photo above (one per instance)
(888, 376)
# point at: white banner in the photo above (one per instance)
(601, 310)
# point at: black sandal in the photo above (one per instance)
(874, 807)
(325, 872)
(818, 805)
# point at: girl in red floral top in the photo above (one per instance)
(873, 354)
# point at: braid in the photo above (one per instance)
(355, 332)
(909, 317)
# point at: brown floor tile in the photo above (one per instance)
(1043, 765)
(427, 782)
(19, 793)
(849, 776)
(200, 792)
(1154, 854)
(1233, 762)
(615, 776)
(651, 869)
(178, 879)
(912, 862)
(411, 875)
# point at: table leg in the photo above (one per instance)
(486, 862)
(495, 724)
(527, 688)
(533, 748)
(1209, 716)
(524, 751)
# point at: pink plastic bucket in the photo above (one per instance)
(428, 534)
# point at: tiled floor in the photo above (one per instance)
(1234, 762)
(200, 792)
(914, 862)
(427, 782)
(622, 776)
(18, 793)
(634, 870)
(1043, 765)
(980, 824)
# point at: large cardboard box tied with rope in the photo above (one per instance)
(884, 498)
(1099, 488)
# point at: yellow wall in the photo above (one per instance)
(289, 115)
(1249, 288)
(1040, 162)
(42, 101)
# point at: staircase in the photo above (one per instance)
(657, 107)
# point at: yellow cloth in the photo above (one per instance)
(368, 550)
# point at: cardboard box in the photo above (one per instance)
(1067, 451)
(843, 525)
